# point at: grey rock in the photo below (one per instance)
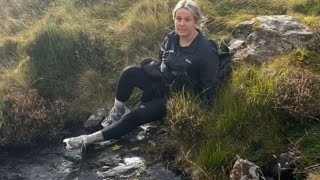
(95, 118)
(266, 36)
(245, 170)
(159, 171)
(129, 168)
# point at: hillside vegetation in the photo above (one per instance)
(60, 60)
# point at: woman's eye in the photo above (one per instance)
(187, 19)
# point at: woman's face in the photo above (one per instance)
(184, 23)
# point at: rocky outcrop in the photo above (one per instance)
(265, 36)
(134, 156)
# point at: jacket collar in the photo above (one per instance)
(192, 47)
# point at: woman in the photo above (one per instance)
(186, 58)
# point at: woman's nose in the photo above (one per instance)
(182, 23)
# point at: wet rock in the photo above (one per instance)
(125, 158)
(95, 119)
(159, 171)
(102, 160)
(40, 164)
(130, 167)
(74, 156)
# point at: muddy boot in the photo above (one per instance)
(82, 141)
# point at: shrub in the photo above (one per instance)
(57, 56)
(298, 94)
(28, 117)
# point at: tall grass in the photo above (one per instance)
(247, 119)
(58, 56)
(17, 15)
(75, 49)
(143, 27)
(14, 78)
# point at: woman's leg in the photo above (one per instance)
(152, 108)
(131, 77)
(146, 112)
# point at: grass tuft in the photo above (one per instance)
(57, 57)
(185, 116)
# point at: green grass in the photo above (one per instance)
(75, 50)
(58, 56)
(16, 16)
(246, 119)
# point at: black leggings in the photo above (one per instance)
(152, 106)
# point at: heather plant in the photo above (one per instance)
(28, 117)
(298, 94)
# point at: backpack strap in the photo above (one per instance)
(225, 66)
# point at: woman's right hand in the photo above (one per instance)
(151, 67)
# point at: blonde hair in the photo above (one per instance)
(193, 7)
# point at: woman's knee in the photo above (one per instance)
(131, 70)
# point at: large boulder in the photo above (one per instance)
(265, 36)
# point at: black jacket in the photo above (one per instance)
(195, 65)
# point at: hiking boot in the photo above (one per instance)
(75, 143)
(114, 115)
(95, 118)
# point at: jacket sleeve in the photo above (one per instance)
(162, 48)
(165, 46)
(209, 73)
(163, 53)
